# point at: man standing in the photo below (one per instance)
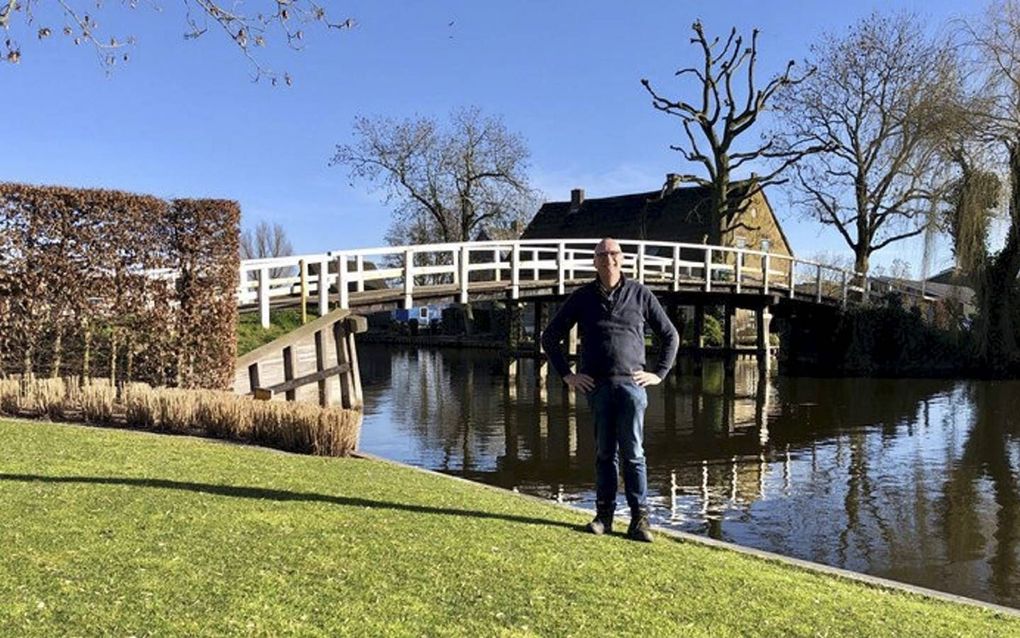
(611, 313)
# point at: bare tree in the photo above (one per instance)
(876, 104)
(447, 184)
(726, 106)
(267, 240)
(249, 27)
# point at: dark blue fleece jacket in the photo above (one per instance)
(612, 331)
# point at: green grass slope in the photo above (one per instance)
(108, 532)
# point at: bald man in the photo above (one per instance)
(611, 313)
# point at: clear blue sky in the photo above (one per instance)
(183, 119)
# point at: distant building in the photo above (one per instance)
(671, 214)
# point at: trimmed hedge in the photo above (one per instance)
(104, 283)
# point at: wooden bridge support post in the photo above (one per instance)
(763, 320)
(343, 359)
(541, 366)
(320, 365)
(699, 338)
(729, 343)
(288, 371)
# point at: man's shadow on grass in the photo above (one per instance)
(281, 495)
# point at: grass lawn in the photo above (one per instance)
(251, 334)
(109, 532)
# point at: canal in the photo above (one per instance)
(913, 480)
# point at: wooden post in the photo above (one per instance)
(288, 370)
(763, 319)
(253, 377)
(818, 285)
(341, 281)
(676, 268)
(730, 358)
(561, 268)
(359, 269)
(350, 328)
(793, 290)
(264, 296)
(464, 260)
(766, 265)
(320, 365)
(303, 272)
(343, 358)
(641, 262)
(496, 257)
(534, 262)
(708, 269)
(409, 278)
(515, 272)
(541, 366)
(324, 287)
(739, 265)
(699, 336)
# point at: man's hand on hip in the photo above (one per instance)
(644, 379)
(580, 381)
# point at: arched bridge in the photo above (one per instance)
(523, 269)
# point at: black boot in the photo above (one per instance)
(601, 524)
(640, 529)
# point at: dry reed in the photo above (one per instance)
(296, 427)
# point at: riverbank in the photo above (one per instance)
(117, 532)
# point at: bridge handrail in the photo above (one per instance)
(537, 260)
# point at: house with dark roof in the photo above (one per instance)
(673, 213)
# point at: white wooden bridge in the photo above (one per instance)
(413, 275)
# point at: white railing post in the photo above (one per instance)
(242, 286)
(342, 280)
(455, 258)
(561, 268)
(641, 262)
(465, 261)
(739, 265)
(766, 266)
(534, 262)
(793, 289)
(409, 278)
(676, 268)
(264, 296)
(818, 285)
(496, 263)
(844, 292)
(515, 272)
(708, 269)
(359, 269)
(867, 289)
(570, 259)
(323, 287)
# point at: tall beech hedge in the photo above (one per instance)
(102, 283)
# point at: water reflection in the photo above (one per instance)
(908, 479)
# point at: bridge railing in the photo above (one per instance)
(456, 269)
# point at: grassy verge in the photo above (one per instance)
(120, 533)
(251, 334)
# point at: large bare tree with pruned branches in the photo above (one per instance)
(726, 105)
(250, 26)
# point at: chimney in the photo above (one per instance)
(576, 199)
(672, 183)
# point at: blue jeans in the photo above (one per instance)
(619, 411)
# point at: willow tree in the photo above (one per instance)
(993, 45)
(717, 109)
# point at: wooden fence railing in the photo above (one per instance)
(460, 268)
(317, 352)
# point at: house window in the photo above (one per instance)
(740, 242)
(765, 245)
(424, 313)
